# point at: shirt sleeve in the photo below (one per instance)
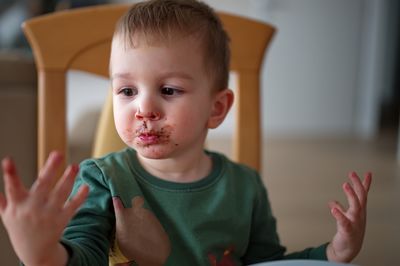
(264, 241)
(87, 236)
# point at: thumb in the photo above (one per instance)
(118, 206)
(119, 210)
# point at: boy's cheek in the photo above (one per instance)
(124, 128)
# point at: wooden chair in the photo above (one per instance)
(80, 39)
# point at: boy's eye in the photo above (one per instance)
(169, 91)
(128, 91)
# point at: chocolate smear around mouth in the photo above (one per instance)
(163, 134)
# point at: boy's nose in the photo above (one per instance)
(147, 107)
(152, 115)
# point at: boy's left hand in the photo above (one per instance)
(351, 223)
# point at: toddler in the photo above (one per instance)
(163, 200)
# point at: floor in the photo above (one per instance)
(302, 175)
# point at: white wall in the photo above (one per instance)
(314, 80)
(372, 68)
(311, 73)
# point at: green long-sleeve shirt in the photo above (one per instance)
(133, 217)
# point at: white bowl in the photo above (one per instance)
(301, 263)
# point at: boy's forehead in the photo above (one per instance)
(160, 38)
(173, 59)
(179, 47)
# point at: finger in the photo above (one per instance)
(336, 204)
(63, 188)
(358, 188)
(3, 203)
(13, 187)
(45, 178)
(118, 206)
(119, 211)
(354, 204)
(73, 204)
(137, 202)
(367, 181)
(343, 223)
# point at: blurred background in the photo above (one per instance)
(330, 104)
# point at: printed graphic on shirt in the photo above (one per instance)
(139, 237)
(226, 259)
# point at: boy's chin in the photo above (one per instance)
(151, 152)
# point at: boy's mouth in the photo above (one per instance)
(147, 136)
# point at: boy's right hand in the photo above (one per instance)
(35, 218)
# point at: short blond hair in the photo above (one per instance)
(158, 20)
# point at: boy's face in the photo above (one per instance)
(163, 103)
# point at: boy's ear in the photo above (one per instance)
(222, 103)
